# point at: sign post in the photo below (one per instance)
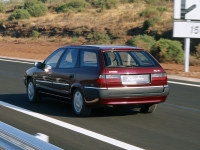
(187, 54)
(185, 12)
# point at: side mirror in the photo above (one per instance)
(39, 65)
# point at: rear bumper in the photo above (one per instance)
(133, 95)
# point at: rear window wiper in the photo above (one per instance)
(131, 65)
(121, 66)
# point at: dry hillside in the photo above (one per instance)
(120, 24)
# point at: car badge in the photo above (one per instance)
(113, 71)
(156, 70)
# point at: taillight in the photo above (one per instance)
(113, 78)
(101, 81)
(102, 78)
(158, 75)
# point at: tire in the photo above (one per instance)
(32, 94)
(79, 106)
(148, 108)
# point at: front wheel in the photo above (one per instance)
(148, 108)
(79, 105)
(32, 94)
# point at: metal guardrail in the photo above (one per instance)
(14, 139)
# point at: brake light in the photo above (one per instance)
(102, 77)
(101, 80)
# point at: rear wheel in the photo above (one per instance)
(148, 108)
(32, 94)
(79, 105)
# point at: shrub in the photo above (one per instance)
(166, 50)
(18, 7)
(194, 61)
(72, 5)
(151, 22)
(19, 14)
(29, 3)
(35, 34)
(161, 9)
(126, 1)
(197, 54)
(2, 22)
(2, 8)
(105, 4)
(111, 4)
(75, 38)
(38, 10)
(149, 12)
(144, 41)
(151, 2)
(99, 38)
(44, 1)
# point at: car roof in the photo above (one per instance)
(105, 47)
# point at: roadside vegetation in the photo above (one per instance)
(2, 7)
(143, 23)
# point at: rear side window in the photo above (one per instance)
(88, 59)
(128, 59)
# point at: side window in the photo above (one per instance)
(53, 59)
(69, 60)
(88, 59)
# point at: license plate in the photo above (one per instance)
(135, 79)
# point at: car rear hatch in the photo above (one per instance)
(135, 71)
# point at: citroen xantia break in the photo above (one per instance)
(95, 75)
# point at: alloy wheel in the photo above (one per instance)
(78, 102)
(31, 91)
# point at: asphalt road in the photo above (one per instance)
(175, 125)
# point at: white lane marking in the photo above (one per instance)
(181, 107)
(23, 62)
(73, 128)
(196, 85)
(21, 59)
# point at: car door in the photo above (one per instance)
(65, 73)
(89, 72)
(43, 77)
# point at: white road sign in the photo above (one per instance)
(186, 29)
(187, 9)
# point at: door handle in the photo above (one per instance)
(71, 76)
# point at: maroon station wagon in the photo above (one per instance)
(97, 75)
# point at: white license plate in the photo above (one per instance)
(135, 79)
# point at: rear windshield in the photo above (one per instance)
(128, 59)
